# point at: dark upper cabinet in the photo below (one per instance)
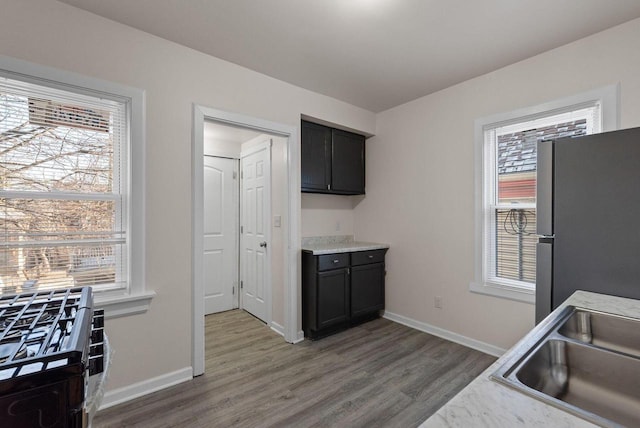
(332, 160)
(316, 157)
(347, 162)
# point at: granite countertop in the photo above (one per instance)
(318, 245)
(486, 403)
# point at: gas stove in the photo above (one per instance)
(50, 343)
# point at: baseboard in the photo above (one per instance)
(299, 337)
(277, 328)
(446, 334)
(126, 393)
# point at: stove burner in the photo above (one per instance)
(41, 323)
(7, 349)
(12, 335)
(20, 322)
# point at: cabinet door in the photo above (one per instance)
(347, 165)
(315, 157)
(332, 297)
(367, 289)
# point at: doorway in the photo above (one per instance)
(237, 256)
(287, 301)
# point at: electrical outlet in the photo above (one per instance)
(437, 302)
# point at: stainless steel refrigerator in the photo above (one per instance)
(588, 217)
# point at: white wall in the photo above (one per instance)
(174, 77)
(327, 215)
(420, 179)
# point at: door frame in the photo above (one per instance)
(291, 329)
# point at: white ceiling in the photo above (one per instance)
(375, 54)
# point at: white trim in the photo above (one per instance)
(119, 306)
(299, 337)
(136, 192)
(292, 231)
(499, 290)
(277, 328)
(607, 96)
(446, 334)
(148, 386)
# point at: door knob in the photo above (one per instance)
(263, 244)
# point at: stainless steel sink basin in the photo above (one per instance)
(608, 331)
(584, 362)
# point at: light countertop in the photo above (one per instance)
(318, 245)
(486, 403)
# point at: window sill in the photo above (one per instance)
(124, 305)
(504, 291)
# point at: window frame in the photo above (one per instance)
(606, 96)
(134, 298)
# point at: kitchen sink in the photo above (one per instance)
(584, 362)
(604, 330)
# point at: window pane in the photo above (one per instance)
(46, 267)
(49, 243)
(516, 161)
(45, 219)
(516, 244)
(517, 167)
(40, 154)
(62, 217)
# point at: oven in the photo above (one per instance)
(52, 345)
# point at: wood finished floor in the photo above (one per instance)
(380, 374)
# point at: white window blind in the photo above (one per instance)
(63, 178)
(510, 165)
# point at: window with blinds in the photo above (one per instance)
(63, 177)
(510, 189)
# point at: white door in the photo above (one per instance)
(220, 261)
(255, 275)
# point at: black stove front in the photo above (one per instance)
(46, 356)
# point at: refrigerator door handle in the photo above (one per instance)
(544, 189)
(544, 278)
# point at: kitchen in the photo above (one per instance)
(421, 159)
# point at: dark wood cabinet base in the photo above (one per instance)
(341, 290)
(337, 328)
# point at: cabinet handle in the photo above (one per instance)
(370, 257)
(328, 186)
(336, 261)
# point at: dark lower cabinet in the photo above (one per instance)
(341, 290)
(333, 297)
(367, 289)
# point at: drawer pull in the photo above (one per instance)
(370, 257)
(336, 261)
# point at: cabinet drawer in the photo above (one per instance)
(333, 261)
(366, 257)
